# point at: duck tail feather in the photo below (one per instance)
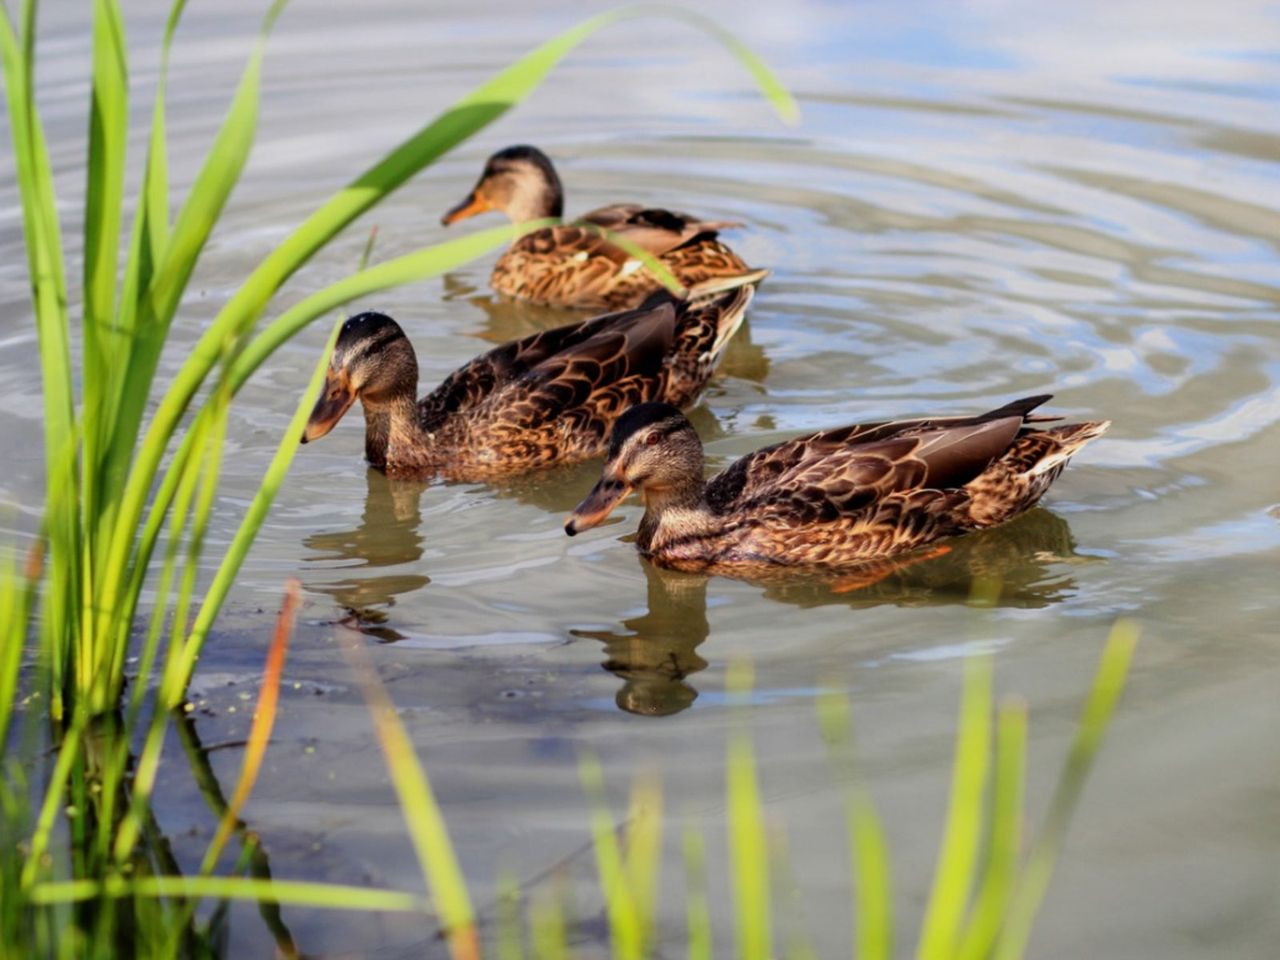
(715, 285)
(1070, 439)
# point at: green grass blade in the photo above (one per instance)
(60, 626)
(218, 176)
(697, 910)
(656, 268)
(427, 830)
(1005, 845)
(367, 252)
(615, 885)
(40, 223)
(202, 473)
(103, 210)
(185, 463)
(145, 771)
(548, 933)
(208, 195)
(68, 753)
(748, 840)
(150, 236)
(176, 684)
(783, 103)
(1108, 684)
(874, 879)
(509, 943)
(177, 669)
(873, 886)
(962, 837)
(15, 611)
(643, 856)
(302, 893)
(59, 616)
(188, 481)
(104, 189)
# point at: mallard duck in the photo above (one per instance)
(573, 264)
(839, 497)
(548, 398)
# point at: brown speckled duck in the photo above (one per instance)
(840, 497)
(546, 399)
(574, 265)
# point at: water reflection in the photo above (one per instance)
(658, 649)
(389, 535)
(99, 798)
(1031, 557)
(655, 653)
(506, 319)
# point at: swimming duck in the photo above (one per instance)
(838, 497)
(574, 265)
(548, 398)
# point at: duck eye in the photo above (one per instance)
(652, 439)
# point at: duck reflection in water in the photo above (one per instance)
(655, 653)
(389, 535)
(659, 648)
(1030, 557)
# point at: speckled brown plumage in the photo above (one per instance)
(833, 498)
(574, 264)
(549, 398)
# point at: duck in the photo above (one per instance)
(546, 399)
(574, 265)
(848, 496)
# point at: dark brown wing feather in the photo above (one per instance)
(561, 408)
(553, 397)
(864, 461)
(705, 328)
(822, 484)
(473, 383)
(634, 349)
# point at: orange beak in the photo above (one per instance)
(472, 204)
(597, 505)
(334, 401)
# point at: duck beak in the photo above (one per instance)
(335, 400)
(472, 204)
(597, 505)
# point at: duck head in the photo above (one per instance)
(520, 182)
(653, 449)
(372, 362)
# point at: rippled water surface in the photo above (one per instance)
(983, 201)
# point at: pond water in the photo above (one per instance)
(983, 201)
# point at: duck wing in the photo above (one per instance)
(585, 385)
(835, 473)
(653, 229)
(576, 265)
(594, 258)
(475, 382)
